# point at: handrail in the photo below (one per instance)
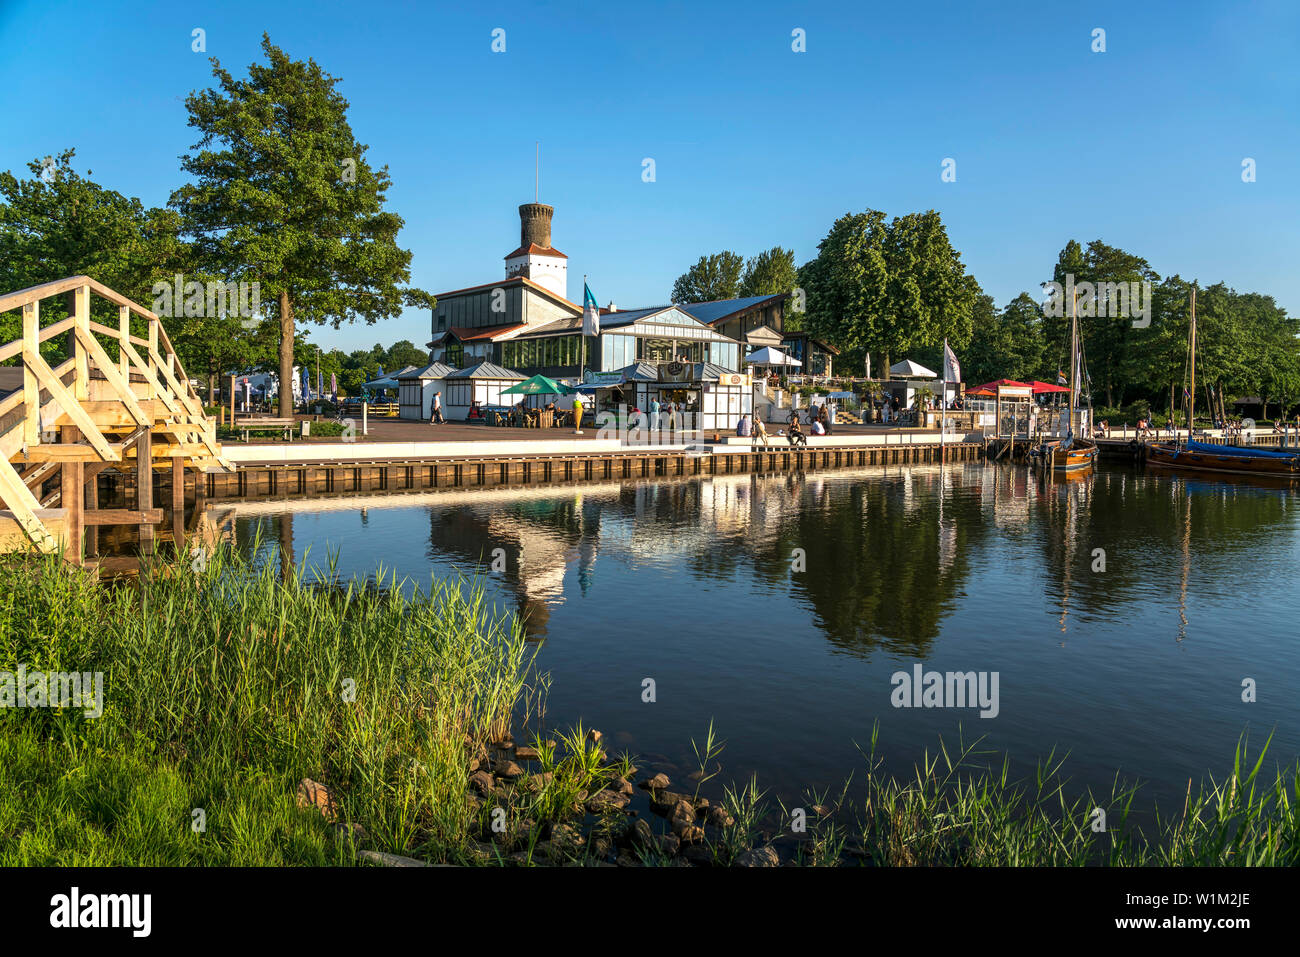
(132, 380)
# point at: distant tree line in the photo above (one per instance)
(896, 288)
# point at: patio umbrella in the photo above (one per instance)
(538, 385)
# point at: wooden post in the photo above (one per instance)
(31, 389)
(144, 487)
(91, 501)
(123, 338)
(72, 483)
(178, 502)
(81, 306)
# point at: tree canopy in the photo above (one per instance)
(712, 277)
(283, 194)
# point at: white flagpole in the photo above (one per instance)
(943, 401)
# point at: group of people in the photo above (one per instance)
(821, 420)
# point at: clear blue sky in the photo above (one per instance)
(754, 145)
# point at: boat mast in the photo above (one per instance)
(1191, 398)
(1074, 357)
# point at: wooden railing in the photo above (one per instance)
(93, 406)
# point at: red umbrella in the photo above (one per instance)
(1042, 388)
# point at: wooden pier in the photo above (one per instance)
(93, 416)
(253, 481)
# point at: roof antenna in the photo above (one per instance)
(537, 172)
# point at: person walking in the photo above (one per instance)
(436, 418)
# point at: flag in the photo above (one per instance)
(334, 386)
(590, 313)
(1060, 378)
(951, 367)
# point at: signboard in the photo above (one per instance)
(676, 371)
(602, 378)
(734, 378)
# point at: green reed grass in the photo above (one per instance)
(227, 685)
(225, 688)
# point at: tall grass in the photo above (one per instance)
(224, 688)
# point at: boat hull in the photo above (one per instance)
(1172, 457)
(1078, 457)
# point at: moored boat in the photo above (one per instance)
(1207, 457)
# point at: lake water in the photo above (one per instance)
(780, 606)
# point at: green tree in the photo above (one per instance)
(57, 223)
(1109, 340)
(713, 277)
(769, 273)
(283, 195)
(887, 288)
(1006, 343)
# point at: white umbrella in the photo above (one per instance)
(768, 356)
(912, 369)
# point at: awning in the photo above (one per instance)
(912, 369)
(1046, 388)
(769, 356)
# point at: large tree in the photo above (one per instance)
(57, 223)
(1109, 339)
(283, 195)
(713, 277)
(888, 287)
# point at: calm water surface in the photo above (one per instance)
(1136, 669)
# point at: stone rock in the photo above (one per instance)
(313, 794)
(622, 786)
(601, 846)
(681, 815)
(718, 817)
(698, 854)
(638, 833)
(481, 782)
(759, 857)
(594, 736)
(607, 800)
(385, 859)
(350, 832)
(690, 833)
(505, 768)
(626, 859)
(656, 783)
(566, 837)
(526, 754)
(669, 844)
(665, 802)
(536, 782)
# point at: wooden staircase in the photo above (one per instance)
(132, 411)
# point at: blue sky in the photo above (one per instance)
(754, 145)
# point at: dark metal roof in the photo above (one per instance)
(435, 370)
(486, 370)
(719, 309)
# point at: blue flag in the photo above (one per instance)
(590, 313)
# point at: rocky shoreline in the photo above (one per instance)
(516, 821)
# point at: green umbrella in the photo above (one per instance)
(538, 385)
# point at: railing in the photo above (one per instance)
(103, 397)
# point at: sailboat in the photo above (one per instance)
(1207, 457)
(1074, 453)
